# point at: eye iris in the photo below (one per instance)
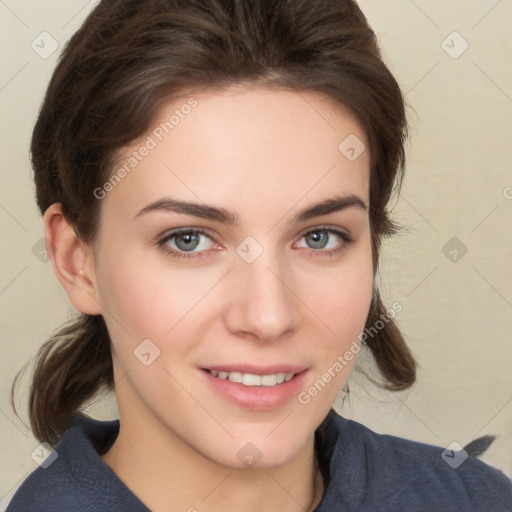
(317, 239)
(187, 241)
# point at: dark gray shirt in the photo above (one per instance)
(363, 472)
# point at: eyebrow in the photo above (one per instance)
(224, 216)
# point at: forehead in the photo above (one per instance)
(249, 147)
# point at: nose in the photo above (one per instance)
(262, 304)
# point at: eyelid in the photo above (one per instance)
(326, 227)
(166, 235)
(170, 234)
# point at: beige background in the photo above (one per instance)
(457, 315)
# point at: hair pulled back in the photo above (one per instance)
(130, 56)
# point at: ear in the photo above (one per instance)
(72, 260)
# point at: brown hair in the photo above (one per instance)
(127, 58)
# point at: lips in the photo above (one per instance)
(255, 387)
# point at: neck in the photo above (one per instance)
(169, 475)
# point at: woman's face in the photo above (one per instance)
(236, 244)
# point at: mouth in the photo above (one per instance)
(257, 388)
(251, 379)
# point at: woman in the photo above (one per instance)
(214, 177)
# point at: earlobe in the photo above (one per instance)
(72, 260)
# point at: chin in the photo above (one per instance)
(260, 451)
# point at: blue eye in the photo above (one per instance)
(325, 241)
(182, 241)
(195, 243)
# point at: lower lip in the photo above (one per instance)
(257, 398)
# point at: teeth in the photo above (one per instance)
(235, 377)
(249, 379)
(269, 380)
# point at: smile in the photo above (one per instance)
(257, 388)
(250, 379)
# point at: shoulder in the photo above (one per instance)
(384, 472)
(48, 490)
(52, 485)
(74, 478)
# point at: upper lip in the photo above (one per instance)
(258, 370)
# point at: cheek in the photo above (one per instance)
(144, 294)
(130, 292)
(148, 296)
(342, 304)
(341, 296)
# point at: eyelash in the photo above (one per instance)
(162, 243)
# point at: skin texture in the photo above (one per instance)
(264, 155)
